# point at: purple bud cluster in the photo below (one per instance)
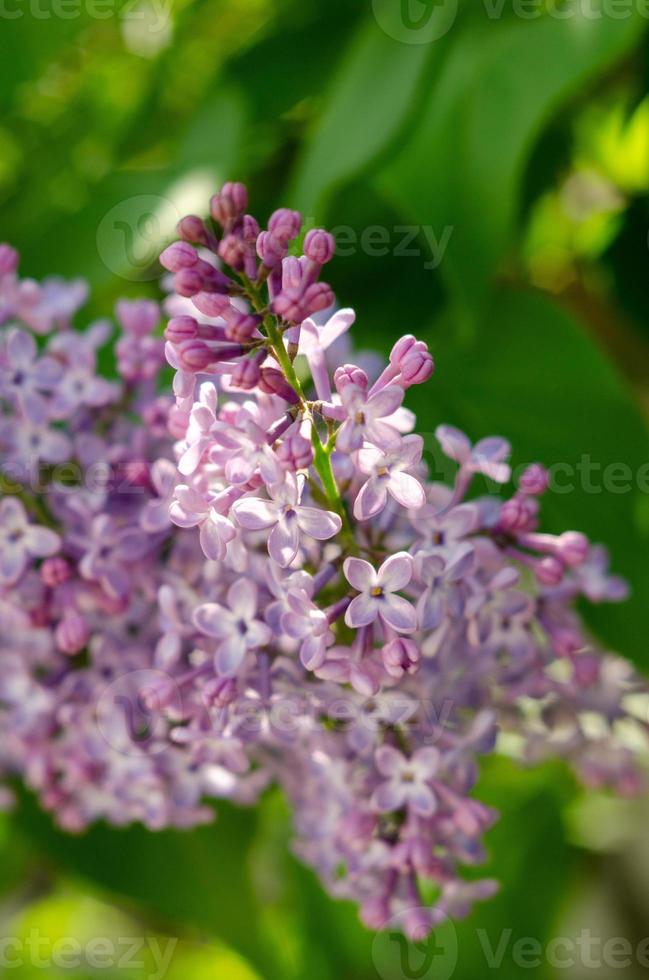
(267, 587)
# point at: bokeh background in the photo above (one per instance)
(485, 166)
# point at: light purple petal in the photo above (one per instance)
(42, 541)
(361, 611)
(212, 620)
(283, 542)
(454, 443)
(371, 499)
(255, 514)
(407, 491)
(384, 402)
(398, 613)
(12, 563)
(318, 524)
(422, 799)
(242, 598)
(395, 572)
(389, 761)
(425, 762)
(389, 796)
(230, 655)
(359, 573)
(21, 348)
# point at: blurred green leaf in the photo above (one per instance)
(463, 165)
(196, 878)
(369, 100)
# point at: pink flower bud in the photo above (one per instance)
(417, 923)
(375, 912)
(211, 304)
(55, 571)
(181, 328)
(549, 570)
(246, 373)
(250, 231)
(178, 256)
(178, 422)
(273, 382)
(229, 203)
(318, 296)
(587, 669)
(192, 229)
(535, 480)
(403, 347)
(72, 633)
(285, 224)
(241, 326)
(349, 374)
(8, 259)
(270, 249)
(401, 656)
(194, 355)
(572, 548)
(517, 514)
(220, 692)
(319, 246)
(291, 273)
(416, 368)
(295, 452)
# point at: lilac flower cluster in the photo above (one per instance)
(335, 622)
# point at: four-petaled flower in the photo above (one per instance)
(377, 597)
(388, 474)
(287, 517)
(364, 418)
(234, 625)
(26, 377)
(21, 541)
(407, 780)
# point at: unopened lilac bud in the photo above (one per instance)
(416, 368)
(349, 374)
(250, 230)
(229, 203)
(535, 480)
(517, 514)
(288, 305)
(318, 296)
(285, 224)
(292, 273)
(181, 328)
(8, 259)
(295, 452)
(232, 250)
(273, 382)
(319, 246)
(180, 255)
(270, 249)
(136, 474)
(572, 548)
(549, 570)
(401, 656)
(72, 633)
(246, 373)
(220, 692)
(404, 346)
(55, 571)
(202, 277)
(211, 304)
(192, 229)
(242, 326)
(194, 355)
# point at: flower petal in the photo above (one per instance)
(255, 514)
(319, 524)
(406, 490)
(212, 619)
(389, 761)
(395, 572)
(283, 542)
(371, 499)
(359, 573)
(398, 613)
(361, 611)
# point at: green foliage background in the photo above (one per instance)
(522, 143)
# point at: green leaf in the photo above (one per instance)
(532, 375)
(368, 102)
(198, 878)
(463, 165)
